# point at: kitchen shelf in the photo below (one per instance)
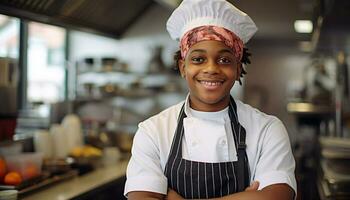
(308, 108)
(111, 98)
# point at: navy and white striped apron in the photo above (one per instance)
(196, 180)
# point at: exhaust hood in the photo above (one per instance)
(332, 31)
(107, 17)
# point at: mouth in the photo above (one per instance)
(211, 84)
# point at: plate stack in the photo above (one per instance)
(335, 165)
(8, 195)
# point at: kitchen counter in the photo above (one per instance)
(78, 187)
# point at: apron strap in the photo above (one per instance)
(242, 163)
(177, 142)
(242, 166)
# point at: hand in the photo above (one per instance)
(253, 187)
(172, 195)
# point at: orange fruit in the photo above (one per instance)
(13, 178)
(2, 168)
(30, 171)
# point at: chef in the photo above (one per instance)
(211, 145)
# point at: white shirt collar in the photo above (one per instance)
(213, 116)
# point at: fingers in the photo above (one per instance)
(253, 187)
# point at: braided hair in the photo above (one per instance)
(245, 60)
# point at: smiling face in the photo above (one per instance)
(210, 69)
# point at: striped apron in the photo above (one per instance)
(196, 180)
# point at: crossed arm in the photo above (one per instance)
(272, 192)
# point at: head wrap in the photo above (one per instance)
(204, 33)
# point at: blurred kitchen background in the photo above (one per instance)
(77, 76)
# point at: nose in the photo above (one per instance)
(211, 67)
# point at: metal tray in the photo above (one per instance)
(39, 182)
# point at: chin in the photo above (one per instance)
(212, 99)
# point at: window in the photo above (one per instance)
(46, 63)
(9, 37)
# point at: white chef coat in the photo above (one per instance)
(268, 148)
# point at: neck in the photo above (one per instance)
(199, 105)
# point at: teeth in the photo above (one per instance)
(210, 83)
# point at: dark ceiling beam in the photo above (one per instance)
(135, 18)
(56, 21)
(54, 16)
(332, 29)
(169, 4)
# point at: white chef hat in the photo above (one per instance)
(195, 13)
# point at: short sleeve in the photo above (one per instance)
(144, 172)
(276, 163)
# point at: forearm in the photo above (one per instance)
(273, 192)
(251, 195)
(145, 195)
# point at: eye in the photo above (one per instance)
(197, 60)
(224, 60)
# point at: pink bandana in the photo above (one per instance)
(211, 33)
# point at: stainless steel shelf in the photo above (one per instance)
(308, 108)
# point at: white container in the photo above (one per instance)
(27, 164)
(43, 143)
(72, 128)
(59, 141)
(11, 149)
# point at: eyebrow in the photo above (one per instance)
(198, 50)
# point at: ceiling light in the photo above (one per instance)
(303, 26)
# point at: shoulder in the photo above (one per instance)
(249, 115)
(262, 129)
(156, 133)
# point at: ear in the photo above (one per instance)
(181, 64)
